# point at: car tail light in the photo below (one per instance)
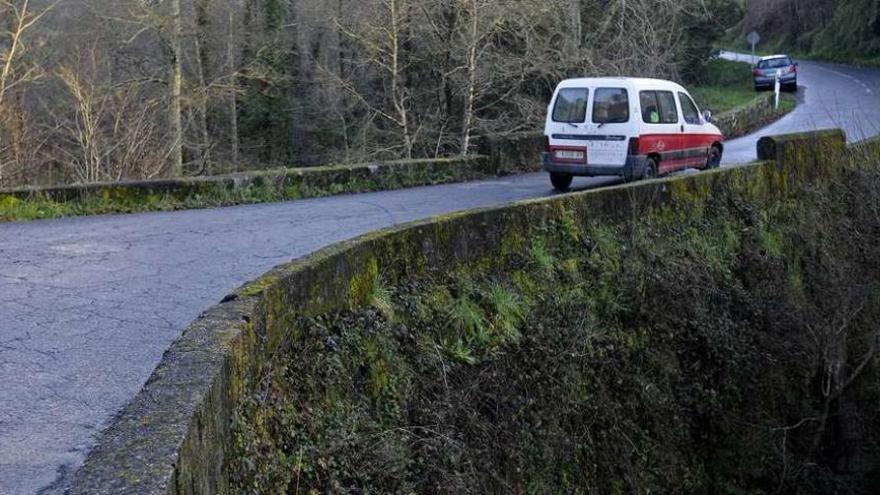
(633, 146)
(757, 72)
(793, 68)
(547, 144)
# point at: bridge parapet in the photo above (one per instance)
(176, 436)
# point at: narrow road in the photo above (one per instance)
(88, 305)
(831, 96)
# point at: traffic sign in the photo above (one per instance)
(753, 38)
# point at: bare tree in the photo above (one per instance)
(109, 133)
(175, 110)
(232, 68)
(21, 18)
(296, 81)
(382, 38)
(482, 20)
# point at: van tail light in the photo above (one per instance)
(547, 144)
(633, 146)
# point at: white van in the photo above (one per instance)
(629, 127)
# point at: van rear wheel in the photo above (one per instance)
(561, 182)
(650, 170)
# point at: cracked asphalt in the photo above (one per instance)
(89, 305)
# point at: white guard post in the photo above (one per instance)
(778, 86)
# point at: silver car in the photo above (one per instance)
(766, 71)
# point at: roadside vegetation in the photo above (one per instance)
(726, 88)
(724, 85)
(727, 85)
(725, 344)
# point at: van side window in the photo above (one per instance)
(611, 106)
(668, 110)
(571, 106)
(650, 107)
(658, 107)
(689, 109)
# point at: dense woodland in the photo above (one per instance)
(105, 90)
(94, 90)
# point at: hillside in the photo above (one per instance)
(839, 30)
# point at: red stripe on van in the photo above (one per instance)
(659, 143)
(690, 141)
(664, 143)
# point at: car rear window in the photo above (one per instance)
(658, 107)
(774, 63)
(611, 106)
(571, 105)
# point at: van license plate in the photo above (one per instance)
(570, 155)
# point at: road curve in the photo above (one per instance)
(830, 95)
(88, 305)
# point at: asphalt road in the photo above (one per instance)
(88, 305)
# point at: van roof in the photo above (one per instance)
(629, 82)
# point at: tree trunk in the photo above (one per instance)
(398, 95)
(233, 97)
(471, 90)
(201, 70)
(577, 23)
(175, 120)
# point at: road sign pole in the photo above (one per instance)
(753, 38)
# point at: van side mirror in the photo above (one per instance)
(707, 115)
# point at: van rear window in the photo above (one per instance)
(571, 106)
(611, 106)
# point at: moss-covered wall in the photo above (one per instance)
(513, 153)
(504, 155)
(207, 403)
(753, 116)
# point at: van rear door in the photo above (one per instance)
(567, 122)
(608, 135)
